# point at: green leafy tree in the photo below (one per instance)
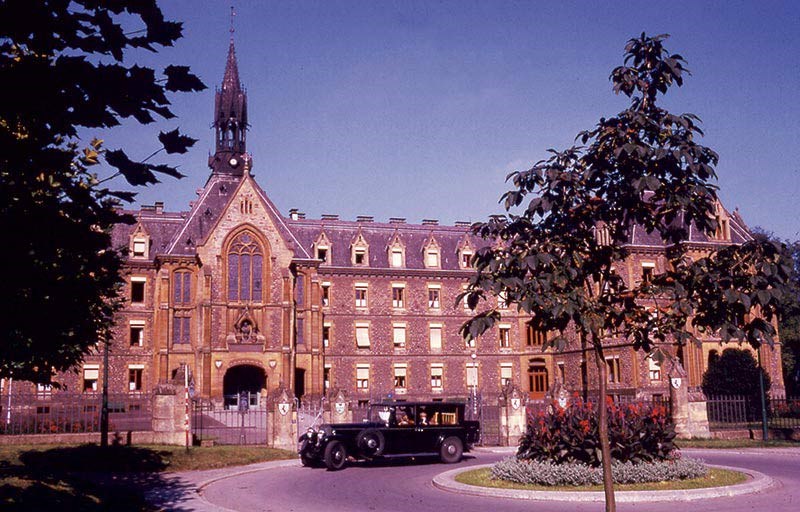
(568, 221)
(67, 68)
(789, 320)
(734, 372)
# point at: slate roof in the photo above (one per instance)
(378, 236)
(180, 232)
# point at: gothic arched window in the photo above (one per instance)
(245, 263)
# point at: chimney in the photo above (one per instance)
(463, 224)
(397, 220)
(330, 216)
(430, 222)
(294, 214)
(159, 207)
(365, 218)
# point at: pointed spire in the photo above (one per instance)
(230, 81)
(230, 119)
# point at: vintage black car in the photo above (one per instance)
(392, 429)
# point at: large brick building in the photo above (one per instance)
(249, 300)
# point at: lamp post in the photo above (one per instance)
(472, 381)
(104, 406)
(762, 392)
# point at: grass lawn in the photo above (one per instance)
(735, 443)
(60, 477)
(715, 478)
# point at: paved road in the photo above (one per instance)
(406, 486)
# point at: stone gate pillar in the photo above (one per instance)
(689, 413)
(168, 422)
(513, 418)
(339, 410)
(282, 421)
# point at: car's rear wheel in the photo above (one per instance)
(451, 450)
(335, 456)
(371, 442)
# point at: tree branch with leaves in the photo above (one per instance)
(68, 67)
(556, 252)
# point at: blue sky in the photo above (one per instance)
(420, 109)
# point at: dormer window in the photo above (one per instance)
(397, 258)
(466, 258)
(359, 251)
(322, 249)
(723, 231)
(360, 256)
(432, 253)
(432, 258)
(397, 252)
(139, 248)
(139, 245)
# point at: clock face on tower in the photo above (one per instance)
(233, 162)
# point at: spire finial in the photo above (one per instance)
(233, 14)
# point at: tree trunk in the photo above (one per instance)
(602, 417)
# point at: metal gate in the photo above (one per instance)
(236, 422)
(489, 417)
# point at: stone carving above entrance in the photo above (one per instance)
(245, 330)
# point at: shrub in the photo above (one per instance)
(637, 433)
(547, 473)
(735, 372)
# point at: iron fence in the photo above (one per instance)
(730, 412)
(73, 413)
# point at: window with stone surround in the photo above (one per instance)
(359, 251)
(504, 331)
(648, 271)
(400, 374)
(181, 287)
(534, 337)
(506, 373)
(437, 376)
(326, 334)
(362, 334)
(361, 295)
(135, 372)
(398, 295)
(362, 376)
(326, 293)
(435, 337)
(136, 331)
(396, 257)
(91, 375)
(138, 289)
(434, 296)
(537, 378)
(399, 335)
(181, 329)
(245, 269)
(562, 372)
(326, 377)
(139, 247)
(612, 370)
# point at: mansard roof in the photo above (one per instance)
(379, 237)
(159, 225)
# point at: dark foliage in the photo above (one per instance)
(734, 372)
(637, 433)
(61, 64)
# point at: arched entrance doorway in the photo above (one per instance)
(242, 385)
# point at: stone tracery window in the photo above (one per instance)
(245, 267)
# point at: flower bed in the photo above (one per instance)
(547, 473)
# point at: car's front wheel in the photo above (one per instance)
(451, 450)
(335, 456)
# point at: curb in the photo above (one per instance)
(758, 482)
(195, 500)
